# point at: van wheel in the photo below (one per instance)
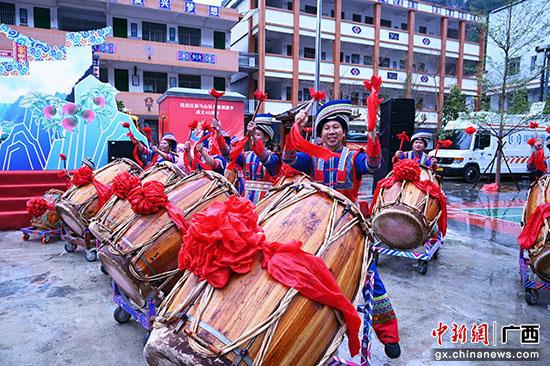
(471, 174)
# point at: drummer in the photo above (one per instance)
(155, 154)
(537, 165)
(345, 177)
(419, 142)
(260, 165)
(206, 160)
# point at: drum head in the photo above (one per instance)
(70, 217)
(400, 228)
(117, 267)
(541, 266)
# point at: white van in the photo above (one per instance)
(470, 155)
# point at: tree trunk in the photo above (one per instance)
(502, 98)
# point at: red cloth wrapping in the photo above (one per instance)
(235, 152)
(373, 148)
(288, 171)
(150, 198)
(83, 176)
(186, 161)
(301, 144)
(258, 148)
(226, 238)
(136, 156)
(104, 192)
(426, 186)
(538, 160)
(123, 183)
(37, 206)
(528, 236)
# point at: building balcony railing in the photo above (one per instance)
(146, 52)
(248, 61)
(353, 32)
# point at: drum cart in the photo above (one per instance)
(431, 249)
(44, 235)
(126, 310)
(87, 241)
(530, 281)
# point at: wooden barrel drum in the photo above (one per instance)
(254, 319)
(403, 216)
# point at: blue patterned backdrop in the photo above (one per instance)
(37, 126)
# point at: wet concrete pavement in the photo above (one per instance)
(56, 308)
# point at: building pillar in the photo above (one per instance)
(460, 62)
(295, 52)
(261, 48)
(376, 49)
(251, 50)
(480, 67)
(442, 61)
(410, 53)
(337, 47)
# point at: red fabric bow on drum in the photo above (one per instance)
(528, 236)
(123, 183)
(37, 206)
(84, 175)
(409, 170)
(150, 198)
(225, 238)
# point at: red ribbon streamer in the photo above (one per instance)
(225, 238)
(301, 144)
(528, 236)
(84, 175)
(235, 152)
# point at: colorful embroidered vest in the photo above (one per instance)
(257, 179)
(338, 173)
(424, 159)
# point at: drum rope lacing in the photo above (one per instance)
(382, 204)
(270, 324)
(217, 186)
(83, 207)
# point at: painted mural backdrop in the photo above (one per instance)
(37, 123)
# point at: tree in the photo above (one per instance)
(512, 32)
(120, 105)
(455, 103)
(519, 103)
(547, 105)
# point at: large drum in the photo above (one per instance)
(539, 254)
(49, 220)
(79, 204)
(403, 216)
(117, 211)
(141, 256)
(254, 319)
